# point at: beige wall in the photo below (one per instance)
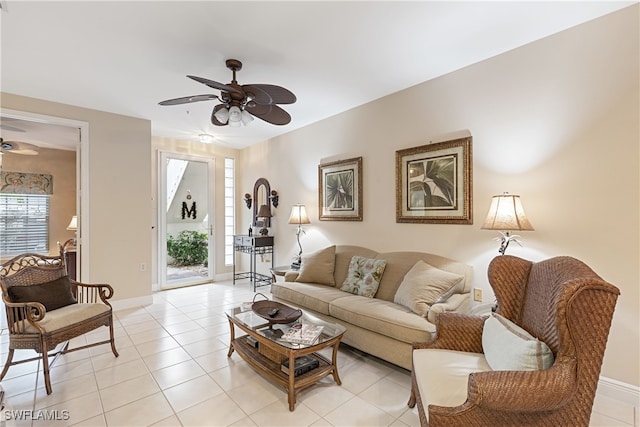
(555, 121)
(118, 238)
(61, 164)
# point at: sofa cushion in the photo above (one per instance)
(364, 276)
(383, 317)
(425, 285)
(318, 266)
(54, 294)
(442, 376)
(508, 347)
(306, 295)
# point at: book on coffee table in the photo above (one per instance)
(302, 365)
(302, 333)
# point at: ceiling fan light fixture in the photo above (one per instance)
(222, 115)
(246, 117)
(235, 116)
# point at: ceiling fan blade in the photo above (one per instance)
(16, 147)
(269, 94)
(269, 113)
(11, 128)
(214, 119)
(187, 99)
(216, 85)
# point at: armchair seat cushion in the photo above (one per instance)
(67, 316)
(442, 376)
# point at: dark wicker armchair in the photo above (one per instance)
(44, 309)
(559, 301)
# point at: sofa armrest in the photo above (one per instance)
(291, 275)
(454, 302)
(456, 331)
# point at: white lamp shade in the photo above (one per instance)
(73, 224)
(222, 115)
(246, 117)
(298, 215)
(235, 116)
(506, 213)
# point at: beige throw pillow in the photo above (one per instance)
(425, 285)
(318, 267)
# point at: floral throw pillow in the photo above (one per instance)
(364, 276)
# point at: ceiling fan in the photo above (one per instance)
(241, 102)
(16, 147)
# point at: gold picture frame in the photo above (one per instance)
(434, 183)
(340, 190)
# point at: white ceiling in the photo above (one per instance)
(125, 57)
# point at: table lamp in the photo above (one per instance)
(73, 226)
(506, 214)
(298, 216)
(264, 212)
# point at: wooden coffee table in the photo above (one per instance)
(265, 352)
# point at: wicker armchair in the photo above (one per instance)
(32, 326)
(564, 304)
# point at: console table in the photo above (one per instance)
(252, 245)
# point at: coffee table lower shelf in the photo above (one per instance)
(271, 369)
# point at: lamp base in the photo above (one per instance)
(295, 265)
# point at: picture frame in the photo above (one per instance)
(434, 183)
(340, 190)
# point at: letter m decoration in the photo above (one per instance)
(188, 212)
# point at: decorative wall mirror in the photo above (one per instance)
(261, 194)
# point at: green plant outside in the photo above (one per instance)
(188, 248)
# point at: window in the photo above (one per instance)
(24, 223)
(229, 209)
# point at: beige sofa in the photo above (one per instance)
(377, 325)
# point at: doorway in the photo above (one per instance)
(58, 133)
(186, 218)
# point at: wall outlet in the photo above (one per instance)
(477, 294)
(143, 266)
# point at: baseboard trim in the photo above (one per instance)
(626, 396)
(127, 303)
(620, 391)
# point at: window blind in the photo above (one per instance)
(24, 223)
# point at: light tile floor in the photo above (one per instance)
(173, 370)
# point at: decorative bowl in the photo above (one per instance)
(284, 314)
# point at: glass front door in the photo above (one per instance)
(186, 231)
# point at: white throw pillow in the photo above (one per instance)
(425, 285)
(508, 347)
(318, 267)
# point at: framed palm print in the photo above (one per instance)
(340, 190)
(433, 183)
